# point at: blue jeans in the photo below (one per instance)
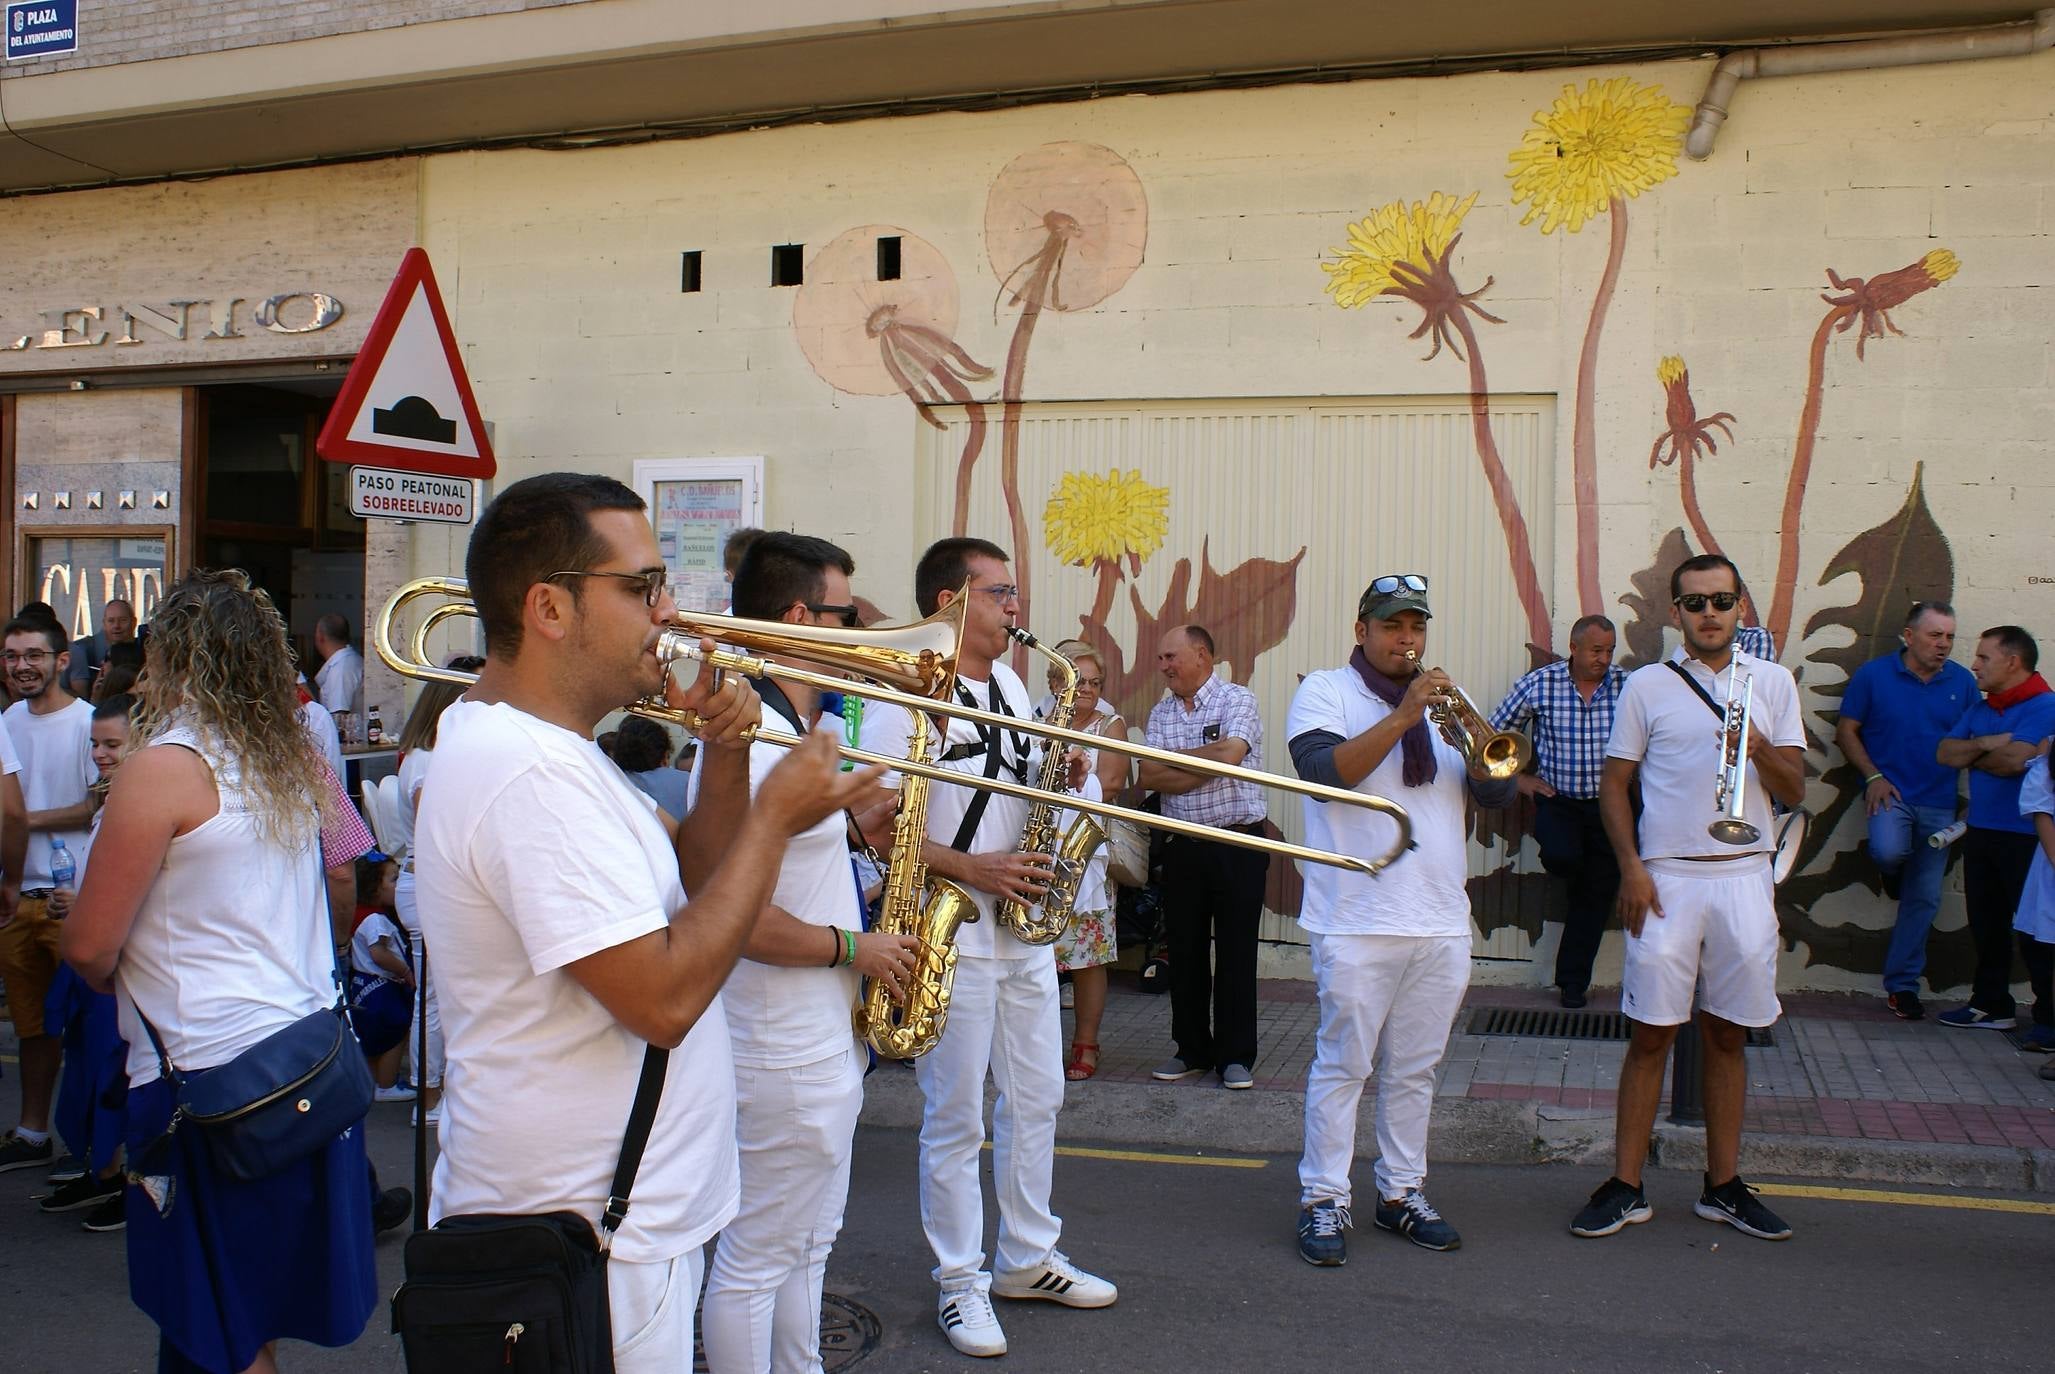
(1898, 842)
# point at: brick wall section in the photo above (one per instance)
(114, 31)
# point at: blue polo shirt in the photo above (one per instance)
(1904, 720)
(1994, 801)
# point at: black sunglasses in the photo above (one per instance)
(651, 583)
(1392, 582)
(847, 614)
(1694, 602)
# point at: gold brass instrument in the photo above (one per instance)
(930, 910)
(910, 666)
(1730, 790)
(1492, 755)
(1041, 922)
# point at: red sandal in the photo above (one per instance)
(1077, 1070)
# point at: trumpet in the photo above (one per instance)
(910, 666)
(1730, 791)
(1492, 755)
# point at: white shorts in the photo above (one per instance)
(1717, 939)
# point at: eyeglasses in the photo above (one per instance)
(652, 583)
(846, 614)
(32, 657)
(1002, 593)
(1392, 582)
(1694, 602)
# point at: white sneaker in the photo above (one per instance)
(1068, 997)
(967, 1319)
(398, 1092)
(434, 1115)
(1058, 1280)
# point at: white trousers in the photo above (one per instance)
(1386, 1005)
(651, 1305)
(430, 1073)
(1003, 1017)
(793, 1129)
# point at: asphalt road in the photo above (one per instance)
(1210, 1280)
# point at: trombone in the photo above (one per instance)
(910, 666)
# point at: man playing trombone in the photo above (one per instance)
(1697, 899)
(1003, 1015)
(1391, 955)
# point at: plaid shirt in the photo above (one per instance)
(1569, 732)
(1220, 710)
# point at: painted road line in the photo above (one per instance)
(1147, 1157)
(1952, 1200)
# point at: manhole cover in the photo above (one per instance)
(849, 1333)
(1545, 1023)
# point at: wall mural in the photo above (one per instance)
(1066, 226)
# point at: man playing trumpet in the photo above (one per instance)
(1697, 909)
(1391, 955)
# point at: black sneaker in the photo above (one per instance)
(111, 1215)
(67, 1168)
(1320, 1234)
(1906, 1006)
(16, 1153)
(1613, 1206)
(81, 1192)
(1735, 1203)
(392, 1207)
(1573, 998)
(1414, 1217)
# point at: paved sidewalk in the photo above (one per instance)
(1846, 1090)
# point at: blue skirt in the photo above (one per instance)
(380, 1012)
(92, 1096)
(236, 1265)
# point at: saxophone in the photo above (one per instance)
(1073, 849)
(931, 913)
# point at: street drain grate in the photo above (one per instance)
(1543, 1023)
(849, 1333)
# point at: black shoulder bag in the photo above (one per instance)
(522, 1293)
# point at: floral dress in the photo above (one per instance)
(1088, 940)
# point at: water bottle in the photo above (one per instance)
(1941, 839)
(63, 867)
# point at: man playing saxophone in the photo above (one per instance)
(1003, 1016)
(1698, 910)
(798, 1068)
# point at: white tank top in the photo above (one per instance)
(231, 941)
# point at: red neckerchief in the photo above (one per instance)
(2003, 701)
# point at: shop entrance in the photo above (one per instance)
(268, 505)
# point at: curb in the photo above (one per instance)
(1183, 1118)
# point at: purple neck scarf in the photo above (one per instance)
(1418, 742)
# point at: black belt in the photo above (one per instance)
(37, 891)
(1245, 828)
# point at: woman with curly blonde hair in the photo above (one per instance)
(205, 910)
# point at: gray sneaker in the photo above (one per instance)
(1237, 1076)
(1173, 1068)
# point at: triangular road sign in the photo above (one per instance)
(406, 402)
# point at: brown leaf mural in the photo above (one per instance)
(1905, 559)
(1649, 603)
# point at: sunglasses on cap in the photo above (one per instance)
(1694, 602)
(1396, 582)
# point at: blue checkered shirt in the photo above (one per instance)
(1569, 733)
(1230, 710)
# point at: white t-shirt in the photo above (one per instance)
(886, 730)
(532, 851)
(1664, 726)
(230, 942)
(56, 751)
(413, 772)
(10, 761)
(780, 1017)
(340, 681)
(321, 729)
(373, 928)
(1422, 892)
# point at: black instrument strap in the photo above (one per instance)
(992, 741)
(641, 1118)
(1694, 684)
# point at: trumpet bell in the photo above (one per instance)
(1729, 831)
(918, 659)
(1501, 756)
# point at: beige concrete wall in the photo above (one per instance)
(563, 273)
(337, 231)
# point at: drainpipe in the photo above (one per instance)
(2008, 40)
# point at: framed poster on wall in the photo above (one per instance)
(694, 505)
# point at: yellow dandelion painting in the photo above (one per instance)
(1608, 142)
(1396, 233)
(1093, 519)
